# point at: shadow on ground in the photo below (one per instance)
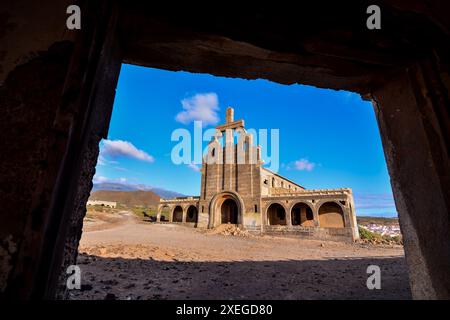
(122, 278)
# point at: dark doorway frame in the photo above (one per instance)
(277, 212)
(192, 214)
(233, 213)
(177, 214)
(408, 85)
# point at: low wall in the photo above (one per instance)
(314, 233)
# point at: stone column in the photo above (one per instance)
(288, 217)
(184, 214)
(315, 210)
(158, 214)
(346, 212)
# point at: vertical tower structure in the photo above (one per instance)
(231, 171)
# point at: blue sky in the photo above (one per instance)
(328, 138)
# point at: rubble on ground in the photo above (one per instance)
(230, 230)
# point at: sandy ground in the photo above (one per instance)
(130, 259)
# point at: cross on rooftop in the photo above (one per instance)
(229, 121)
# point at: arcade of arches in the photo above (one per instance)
(330, 215)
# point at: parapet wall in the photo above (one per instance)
(316, 233)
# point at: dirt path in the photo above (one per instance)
(135, 260)
(107, 220)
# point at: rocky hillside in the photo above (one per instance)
(127, 198)
(163, 193)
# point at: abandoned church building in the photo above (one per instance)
(237, 189)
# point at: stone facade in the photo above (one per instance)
(237, 189)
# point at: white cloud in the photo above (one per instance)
(194, 167)
(304, 164)
(103, 162)
(102, 179)
(200, 107)
(374, 201)
(121, 169)
(379, 205)
(118, 148)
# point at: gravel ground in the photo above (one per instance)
(135, 260)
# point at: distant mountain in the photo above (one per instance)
(113, 187)
(163, 193)
(127, 198)
(379, 219)
(166, 194)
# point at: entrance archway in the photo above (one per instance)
(276, 215)
(229, 211)
(177, 214)
(232, 210)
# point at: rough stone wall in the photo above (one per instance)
(28, 28)
(29, 99)
(243, 179)
(39, 93)
(413, 117)
(76, 220)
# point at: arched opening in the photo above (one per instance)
(276, 214)
(229, 211)
(331, 215)
(164, 214)
(192, 214)
(302, 215)
(177, 214)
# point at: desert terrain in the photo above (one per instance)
(123, 257)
